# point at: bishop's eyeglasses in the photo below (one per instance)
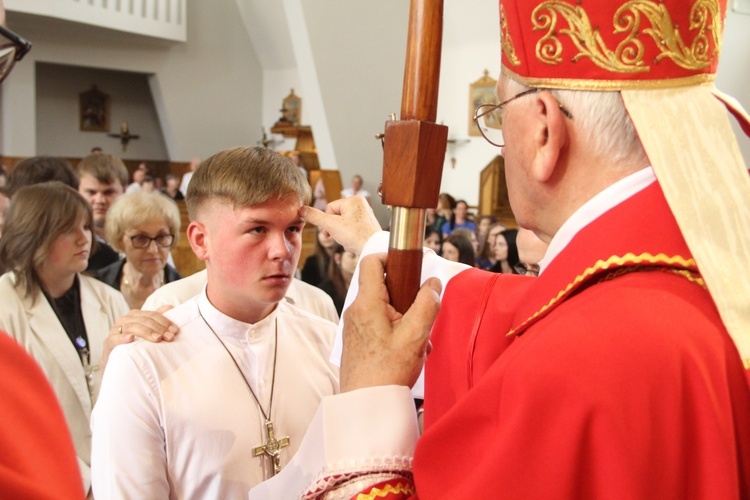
(489, 118)
(13, 48)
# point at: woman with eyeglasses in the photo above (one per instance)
(59, 316)
(145, 227)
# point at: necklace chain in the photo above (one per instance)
(267, 417)
(272, 447)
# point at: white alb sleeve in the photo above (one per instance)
(352, 435)
(128, 454)
(433, 266)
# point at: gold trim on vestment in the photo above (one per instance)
(389, 489)
(615, 261)
(609, 85)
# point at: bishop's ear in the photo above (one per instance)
(196, 234)
(550, 135)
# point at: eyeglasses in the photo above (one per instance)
(143, 241)
(491, 126)
(11, 52)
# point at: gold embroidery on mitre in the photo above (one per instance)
(614, 262)
(610, 84)
(389, 489)
(506, 43)
(628, 56)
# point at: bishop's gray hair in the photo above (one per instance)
(601, 119)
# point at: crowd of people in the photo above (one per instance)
(100, 247)
(78, 253)
(600, 357)
(479, 241)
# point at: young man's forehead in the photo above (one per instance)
(268, 211)
(86, 178)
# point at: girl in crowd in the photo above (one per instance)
(472, 237)
(58, 315)
(458, 248)
(483, 227)
(486, 257)
(145, 227)
(443, 213)
(506, 252)
(459, 219)
(340, 271)
(433, 239)
(315, 269)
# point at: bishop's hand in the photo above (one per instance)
(381, 346)
(350, 221)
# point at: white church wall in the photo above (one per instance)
(157, 18)
(210, 87)
(360, 74)
(733, 76)
(360, 62)
(471, 46)
(57, 91)
(358, 50)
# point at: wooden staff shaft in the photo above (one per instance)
(414, 153)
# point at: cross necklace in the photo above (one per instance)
(272, 446)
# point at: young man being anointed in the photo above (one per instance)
(226, 403)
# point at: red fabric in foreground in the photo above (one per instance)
(619, 389)
(37, 458)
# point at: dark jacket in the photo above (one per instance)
(112, 274)
(103, 256)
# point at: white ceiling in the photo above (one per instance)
(268, 28)
(269, 31)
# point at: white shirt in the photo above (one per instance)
(133, 187)
(349, 192)
(299, 294)
(177, 420)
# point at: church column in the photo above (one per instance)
(312, 99)
(18, 111)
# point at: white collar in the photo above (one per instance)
(605, 200)
(226, 325)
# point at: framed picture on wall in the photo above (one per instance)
(481, 92)
(94, 111)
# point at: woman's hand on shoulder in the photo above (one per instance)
(150, 325)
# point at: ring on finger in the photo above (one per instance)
(119, 330)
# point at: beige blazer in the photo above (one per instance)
(34, 325)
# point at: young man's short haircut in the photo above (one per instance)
(244, 177)
(105, 168)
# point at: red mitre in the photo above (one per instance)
(661, 55)
(611, 44)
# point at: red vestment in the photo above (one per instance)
(619, 379)
(37, 458)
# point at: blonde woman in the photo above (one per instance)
(145, 227)
(58, 315)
